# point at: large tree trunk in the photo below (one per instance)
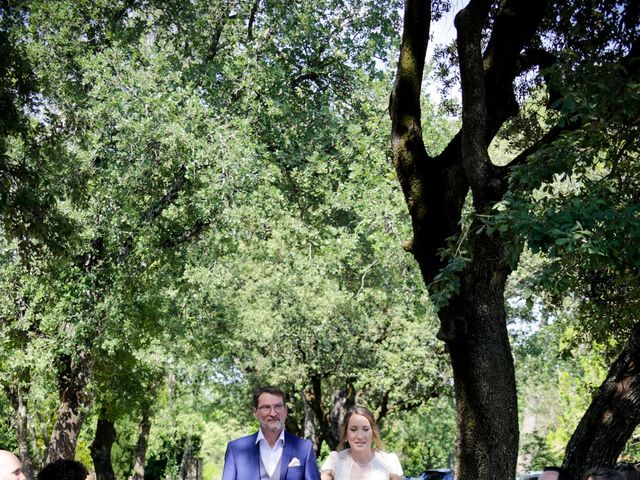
(72, 379)
(612, 417)
(472, 284)
(484, 377)
(473, 320)
(141, 446)
(100, 448)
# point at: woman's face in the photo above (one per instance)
(359, 433)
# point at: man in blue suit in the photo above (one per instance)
(271, 453)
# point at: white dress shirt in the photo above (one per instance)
(270, 456)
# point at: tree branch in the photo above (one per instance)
(514, 28)
(252, 19)
(314, 400)
(169, 197)
(475, 157)
(217, 33)
(194, 231)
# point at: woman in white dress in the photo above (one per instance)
(363, 460)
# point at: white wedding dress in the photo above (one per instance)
(344, 468)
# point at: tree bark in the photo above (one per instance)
(18, 397)
(311, 430)
(473, 323)
(190, 465)
(484, 377)
(327, 424)
(72, 379)
(342, 401)
(141, 446)
(612, 417)
(100, 448)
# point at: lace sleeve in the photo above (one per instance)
(392, 464)
(329, 464)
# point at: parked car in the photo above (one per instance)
(446, 474)
(434, 474)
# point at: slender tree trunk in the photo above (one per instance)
(613, 415)
(190, 465)
(311, 430)
(43, 431)
(327, 424)
(529, 422)
(141, 446)
(18, 388)
(100, 449)
(342, 401)
(18, 397)
(23, 444)
(72, 380)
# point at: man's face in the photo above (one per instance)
(10, 467)
(271, 412)
(550, 475)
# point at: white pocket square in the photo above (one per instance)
(294, 462)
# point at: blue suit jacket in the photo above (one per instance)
(242, 460)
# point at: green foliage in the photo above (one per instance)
(424, 438)
(219, 430)
(322, 275)
(218, 183)
(632, 449)
(575, 201)
(202, 192)
(7, 436)
(557, 380)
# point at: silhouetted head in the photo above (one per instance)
(63, 470)
(602, 474)
(628, 471)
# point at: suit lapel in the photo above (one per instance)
(254, 460)
(286, 456)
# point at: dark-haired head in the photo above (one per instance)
(266, 389)
(64, 470)
(628, 470)
(602, 474)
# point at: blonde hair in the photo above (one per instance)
(358, 410)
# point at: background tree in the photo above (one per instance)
(96, 270)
